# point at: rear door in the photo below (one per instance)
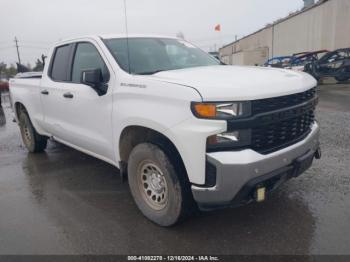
(53, 86)
(76, 113)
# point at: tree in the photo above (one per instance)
(2, 67)
(11, 71)
(39, 66)
(7, 72)
(29, 66)
(2, 70)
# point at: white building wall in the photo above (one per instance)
(342, 25)
(326, 26)
(261, 39)
(250, 57)
(323, 27)
(237, 58)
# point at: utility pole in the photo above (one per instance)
(19, 59)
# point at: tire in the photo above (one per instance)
(32, 140)
(342, 77)
(2, 117)
(162, 194)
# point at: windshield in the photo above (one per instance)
(152, 55)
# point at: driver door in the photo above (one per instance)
(331, 64)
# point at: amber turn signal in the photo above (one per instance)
(205, 110)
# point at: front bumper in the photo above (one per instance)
(239, 173)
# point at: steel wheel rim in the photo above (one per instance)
(152, 185)
(26, 134)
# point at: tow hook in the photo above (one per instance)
(318, 153)
(260, 194)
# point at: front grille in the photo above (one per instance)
(275, 123)
(275, 103)
(272, 137)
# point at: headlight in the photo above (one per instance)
(221, 110)
(229, 140)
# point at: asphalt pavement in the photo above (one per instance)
(65, 202)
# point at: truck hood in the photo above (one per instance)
(227, 83)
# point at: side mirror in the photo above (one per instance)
(94, 79)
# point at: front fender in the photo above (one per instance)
(190, 138)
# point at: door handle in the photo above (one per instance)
(68, 95)
(44, 92)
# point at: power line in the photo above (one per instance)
(25, 46)
(36, 42)
(5, 47)
(35, 47)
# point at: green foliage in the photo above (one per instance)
(10, 71)
(2, 67)
(29, 66)
(7, 72)
(39, 66)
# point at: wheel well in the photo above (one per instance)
(18, 108)
(134, 135)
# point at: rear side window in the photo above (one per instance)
(59, 67)
(87, 58)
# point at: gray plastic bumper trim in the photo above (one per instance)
(232, 177)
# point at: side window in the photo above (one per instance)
(86, 58)
(342, 55)
(333, 57)
(274, 61)
(59, 66)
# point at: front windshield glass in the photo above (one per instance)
(152, 55)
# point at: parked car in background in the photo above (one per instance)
(278, 62)
(299, 60)
(215, 54)
(296, 61)
(4, 86)
(333, 64)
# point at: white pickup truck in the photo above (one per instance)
(186, 130)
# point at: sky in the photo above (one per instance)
(39, 23)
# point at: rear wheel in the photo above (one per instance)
(159, 191)
(31, 139)
(342, 76)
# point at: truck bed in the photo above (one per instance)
(29, 75)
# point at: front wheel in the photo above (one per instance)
(31, 139)
(158, 190)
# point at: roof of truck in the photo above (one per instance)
(110, 36)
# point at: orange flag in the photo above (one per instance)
(218, 28)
